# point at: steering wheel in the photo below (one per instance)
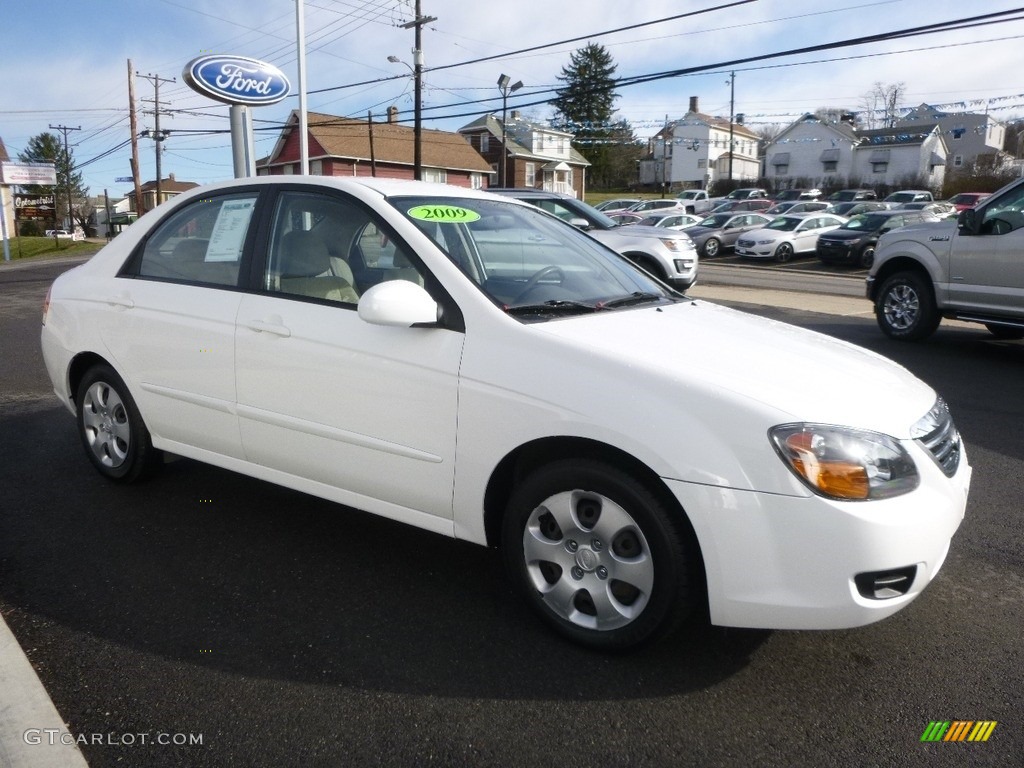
(536, 277)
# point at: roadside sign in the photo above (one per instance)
(123, 180)
(26, 174)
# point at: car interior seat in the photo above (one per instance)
(306, 269)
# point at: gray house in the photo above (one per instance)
(970, 138)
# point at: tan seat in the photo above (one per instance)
(403, 270)
(306, 269)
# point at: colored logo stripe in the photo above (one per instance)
(959, 730)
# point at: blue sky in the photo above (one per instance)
(68, 66)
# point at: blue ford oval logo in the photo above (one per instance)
(236, 80)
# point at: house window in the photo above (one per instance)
(316, 167)
(830, 166)
(530, 173)
(436, 175)
(958, 160)
(781, 170)
(476, 181)
(879, 167)
(288, 170)
(958, 132)
(485, 142)
(494, 175)
(702, 163)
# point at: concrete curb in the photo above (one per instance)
(31, 729)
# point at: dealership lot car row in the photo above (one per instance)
(470, 364)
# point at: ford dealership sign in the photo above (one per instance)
(236, 80)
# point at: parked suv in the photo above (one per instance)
(666, 254)
(855, 241)
(969, 269)
(903, 196)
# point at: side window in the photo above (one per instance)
(1005, 214)
(325, 247)
(201, 243)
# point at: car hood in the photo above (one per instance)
(643, 230)
(699, 231)
(695, 348)
(847, 234)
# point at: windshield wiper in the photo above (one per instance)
(637, 297)
(553, 307)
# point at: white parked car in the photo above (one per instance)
(787, 235)
(671, 220)
(471, 365)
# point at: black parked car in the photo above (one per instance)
(854, 242)
(847, 195)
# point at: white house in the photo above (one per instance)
(699, 150)
(811, 152)
(912, 154)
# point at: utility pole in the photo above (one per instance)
(134, 126)
(732, 107)
(67, 169)
(157, 135)
(417, 52)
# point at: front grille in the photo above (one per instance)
(745, 243)
(937, 433)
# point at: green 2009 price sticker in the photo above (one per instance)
(443, 213)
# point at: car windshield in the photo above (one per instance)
(784, 224)
(869, 222)
(525, 261)
(717, 221)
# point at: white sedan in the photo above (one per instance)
(476, 367)
(787, 236)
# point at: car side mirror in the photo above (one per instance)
(967, 221)
(580, 223)
(399, 303)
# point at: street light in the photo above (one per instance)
(506, 89)
(417, 130)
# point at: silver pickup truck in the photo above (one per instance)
(971, 268)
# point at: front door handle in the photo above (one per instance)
(271, 325)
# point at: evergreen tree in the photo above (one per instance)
(584, 107)
(47, 148)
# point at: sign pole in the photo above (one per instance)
(3, 224)
(242, 145)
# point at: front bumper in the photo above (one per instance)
(785, 562)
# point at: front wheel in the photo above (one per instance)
(867, 256)
(113, 434)
(712, 246)
(905, 307)
(598, 555)
(784, 253)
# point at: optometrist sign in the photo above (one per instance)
(236, 80)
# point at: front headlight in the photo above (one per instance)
(677, 244)
(843, 463)
(765, 242)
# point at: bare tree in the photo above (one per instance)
(880, 107)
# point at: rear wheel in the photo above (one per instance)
(114, 436)
(712, 246)
(905, 307)
(598, 555)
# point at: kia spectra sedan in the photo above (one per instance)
(471, 365)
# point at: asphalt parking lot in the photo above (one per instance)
(283, 629)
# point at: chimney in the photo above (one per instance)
(170, 177)
(514, 114)
(693, 104)
(392, 114)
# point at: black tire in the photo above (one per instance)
(905, 307)
(600, 558)
(784, 253)
(112, 431)
(1004, 332)
(866, 257)
(712, 247)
